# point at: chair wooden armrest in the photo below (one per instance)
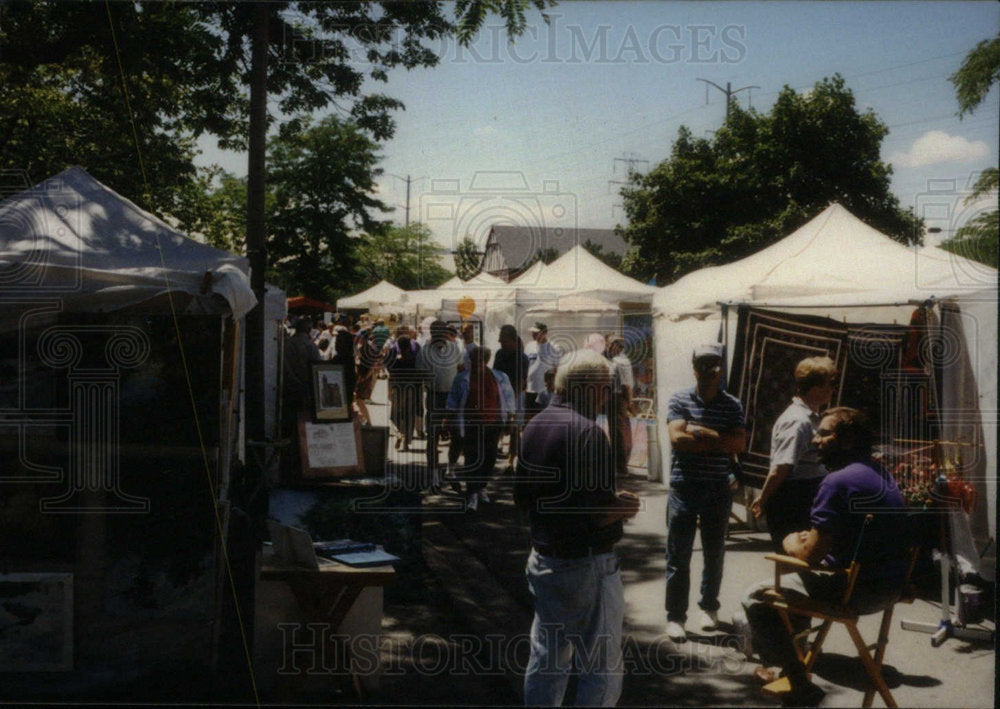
(784, 564)
(807, 606)
(790, 561)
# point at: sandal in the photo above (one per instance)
(764, 675)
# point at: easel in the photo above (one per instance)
(947, 627)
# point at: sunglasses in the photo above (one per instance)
(708, 364)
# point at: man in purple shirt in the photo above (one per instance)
(856, 488)
(566, 484)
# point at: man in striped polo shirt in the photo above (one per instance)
(706, 428)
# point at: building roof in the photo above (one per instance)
(510, 248)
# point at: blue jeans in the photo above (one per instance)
(579, 609)
(689, 502)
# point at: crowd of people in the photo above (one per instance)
(568, 471)
(439, 391)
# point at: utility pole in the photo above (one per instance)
(257, 224)
(630, 159)
(408, 182)
(407, 200)
(728, 91)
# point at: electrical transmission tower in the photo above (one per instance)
(631, 160)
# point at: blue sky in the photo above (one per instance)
(535, 132)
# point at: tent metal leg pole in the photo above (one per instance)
(946, 628)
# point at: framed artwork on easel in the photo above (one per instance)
(330, 393)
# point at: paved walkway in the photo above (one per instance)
(467, 643)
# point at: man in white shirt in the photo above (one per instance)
(542, 356)
(796, 470)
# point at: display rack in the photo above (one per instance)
(948, 502)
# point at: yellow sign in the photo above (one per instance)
(466, 307)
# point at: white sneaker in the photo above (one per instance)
(483, 497)
(472, 503)
(676, 632)
(709, 620)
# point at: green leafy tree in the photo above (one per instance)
(597, 250)
(977, 239)
(314, 48)
(66, 100)
(546, 255)
(322, 180)
(214, 206)
(758, 178)
(125, 89)
(406, 256)
(468, 259)
(979, 72)
(319, 197)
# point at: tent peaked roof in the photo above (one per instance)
(834, 254)
(579, 270)
(75, 238)
(534, 275)
(381, 292)
(481, 279)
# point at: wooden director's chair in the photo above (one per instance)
(830, 613)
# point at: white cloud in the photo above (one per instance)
(936, 147)
(484, 131)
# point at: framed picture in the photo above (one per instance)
(330, 450)
(330, 393)
(36, 620)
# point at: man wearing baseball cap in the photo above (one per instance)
(706, 427)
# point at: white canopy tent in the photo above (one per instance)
(833, 254)
(838, 267)
(382, 294)
(577, 272)
(73, 238)
(532, 276)
(578, 294)
(131, 408)
(481, 279)
(537, 293)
